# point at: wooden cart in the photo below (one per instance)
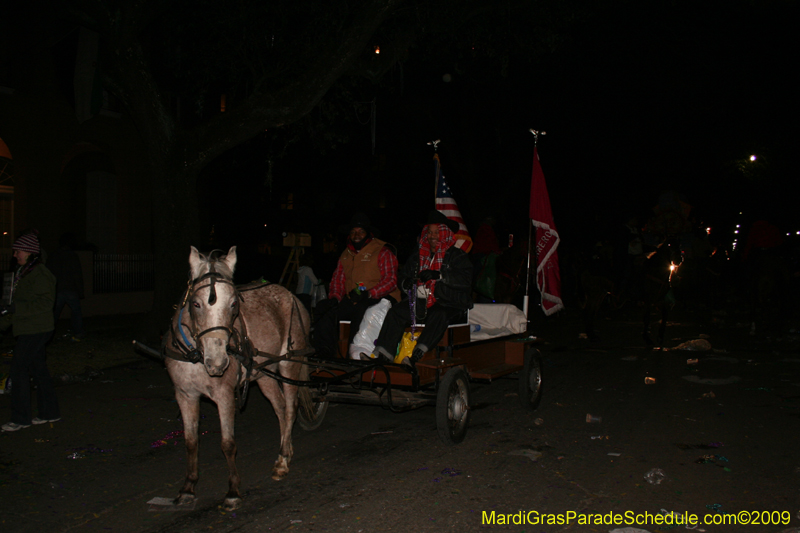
(441, 378)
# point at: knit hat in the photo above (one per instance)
(359, 220)
(28, 242)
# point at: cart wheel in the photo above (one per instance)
(310, 419)
(530, 380)
(452, 406)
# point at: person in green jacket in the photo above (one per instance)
(30, 315)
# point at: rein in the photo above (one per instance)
(189, 350)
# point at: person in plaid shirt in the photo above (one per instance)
(365, 273)
(441, 276)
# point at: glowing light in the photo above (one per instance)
(737, 225)
(708, 231)
(753, 157)
(377, 49)
(736, 231)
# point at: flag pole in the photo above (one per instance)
(526, 298)
(435, 145)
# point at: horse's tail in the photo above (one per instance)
(304, 393)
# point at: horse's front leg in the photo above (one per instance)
(190, 412)
(227, 415)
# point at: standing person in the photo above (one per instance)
(441, 276)
(628, 257)
(66, 267)
(483, 266)
(486, 239)
(365, 273)
(30, 314)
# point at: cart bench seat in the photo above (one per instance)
(456, 334)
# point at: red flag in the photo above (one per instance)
(548, 277)
(447, 205)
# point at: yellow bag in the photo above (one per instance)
(407, 344)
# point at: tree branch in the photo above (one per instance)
(263, 110)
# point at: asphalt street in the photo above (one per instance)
(717, 435)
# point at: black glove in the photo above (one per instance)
(427, 275)
(356, 295)
(324, 306)
(405, 285)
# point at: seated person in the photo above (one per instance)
(365, 273)
(439, 277)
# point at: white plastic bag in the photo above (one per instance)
(364, 341)
(495, 320)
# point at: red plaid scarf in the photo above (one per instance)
(432, 260)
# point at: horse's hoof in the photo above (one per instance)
(231, 504)
(184, 498)
(280, 468)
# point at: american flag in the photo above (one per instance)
(447, 205)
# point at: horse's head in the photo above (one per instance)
(213, 305)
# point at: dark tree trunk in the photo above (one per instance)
(175, 229)
(177, 155)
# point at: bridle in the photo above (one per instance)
(239, 345)
(191, 350)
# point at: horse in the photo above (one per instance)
(219, 335)
(660, 271)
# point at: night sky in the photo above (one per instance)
(638, 100)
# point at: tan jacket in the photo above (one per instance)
(363, 268)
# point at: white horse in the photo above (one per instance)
(214, 331)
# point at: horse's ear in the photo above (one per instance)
(195, 259)
(230, 259)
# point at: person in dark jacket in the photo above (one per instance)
(66, 267)
(439, 279)
(30, 314)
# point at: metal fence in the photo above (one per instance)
(7, 261)
(122, 273)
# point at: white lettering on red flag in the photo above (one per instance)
(548, 277)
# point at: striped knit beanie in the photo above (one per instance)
(27, 243)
